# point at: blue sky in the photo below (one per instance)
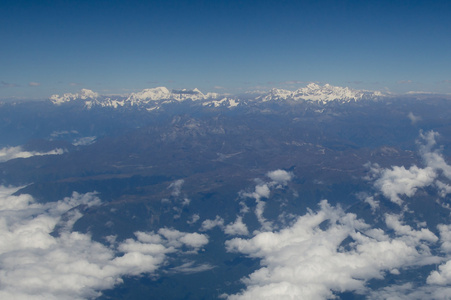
(117, 47)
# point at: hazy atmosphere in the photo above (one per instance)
(117, 47)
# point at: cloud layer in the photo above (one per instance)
(328, 251)
(37, 264)
(305, 261)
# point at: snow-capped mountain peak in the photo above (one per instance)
(162, 93)
(318, 93)
(67, 97)
(275, 94)
(327, 93)
(152, 94)
(85, 94)
(153, 98)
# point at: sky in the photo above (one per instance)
(225, 46)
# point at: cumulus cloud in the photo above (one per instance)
(210, 224)
(280, 176)
(308, 261)
(406, 232)
(329, 251)
(237, 227)
(9, 153)
(398, 181)
(408, 291)
(442, 276)
(433, 157)
(36, 263)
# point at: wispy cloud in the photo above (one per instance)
(34, 83)
(210, 224)
(279, 178)
(404, 82)
(413, 118)
(5, 84)
(293, 82)
(84, 141)
(9, 153)
(177, 200)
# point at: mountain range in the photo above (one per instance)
(153, 98)
(318, 193)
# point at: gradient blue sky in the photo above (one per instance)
(117, 47)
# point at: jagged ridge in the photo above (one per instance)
(152, 98)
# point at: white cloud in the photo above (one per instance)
(328, 252)
(279, 179)
(35, 264)
(408, 291)
(176, 187)
(261, 191)
(9, 153)
(394, 222)
(442, 276)
(374, 204)
(280, 176)
(177, 199)
(194, 218)
(401, 181)
(398, 181)
(433, 158)
(194, 240)
(237, 228)
(305, 261)
(34, 83)
(445, 237)
(190, 267)
(210, 224)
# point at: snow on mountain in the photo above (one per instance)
(323, 94)
(157, 93)
(162, 93)
(224, 102)
(83, 95)
(153, 98)
(276, 94)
